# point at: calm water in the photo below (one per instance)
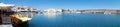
(75, 20)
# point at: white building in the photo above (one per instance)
(24, 9)
(53, 10)
(5, 5)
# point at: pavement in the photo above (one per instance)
(8, 25)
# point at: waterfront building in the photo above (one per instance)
(66, 11)
(71, 11)
(5, 11)
(6, 5)
(111, 12)
(93, 11)
(24, 9)
(118, 11)
(52, 10)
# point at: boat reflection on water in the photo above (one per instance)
(24, 19)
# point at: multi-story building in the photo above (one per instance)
(24, 9)
(94, 11)
(52, 10)
(6, 5)
(5, 11)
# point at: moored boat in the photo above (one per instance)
(19, 19)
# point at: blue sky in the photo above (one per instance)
(59, 4)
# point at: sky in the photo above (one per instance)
(65, 4)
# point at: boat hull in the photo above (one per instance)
(16, 21)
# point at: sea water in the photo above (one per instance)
(75, 20)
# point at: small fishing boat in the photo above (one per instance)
(19, 19)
